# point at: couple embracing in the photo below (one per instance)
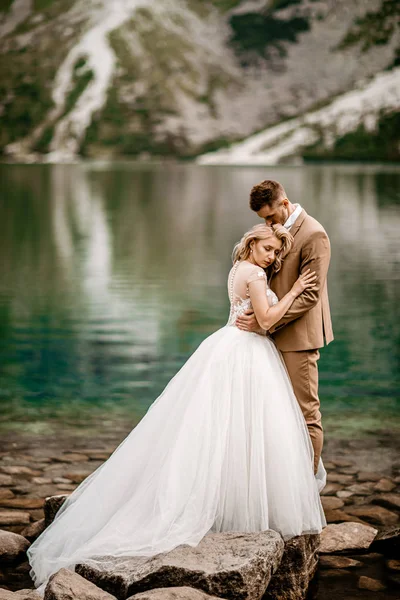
(234, 441)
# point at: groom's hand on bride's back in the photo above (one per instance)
(248, 322)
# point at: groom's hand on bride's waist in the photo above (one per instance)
(248, 322)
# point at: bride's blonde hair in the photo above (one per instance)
(241, 251)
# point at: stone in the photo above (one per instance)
(331, 503)
(339, 516)
(391, 501)
(360, 489)
(6, 494)
(41, 480)
(342, 462)
(76, 477)
(22, 503)
(377, 515)
(329, 561)
(348, 470)
(344, 494)
(297, 568)
(393, 565)
(67, 585)
(65, 487)
(70, 457)
(19, 595)
(61, 480)
(368, 476)
(20, 470)
(373, 585)
(394, 580)
(34, 530)
(5, 479)
(12, 547)
(174, 593)
(338, 478)
(52, 504)
(97, 454)
(387, 542)
(384, 485)
(233, 565)
(333, 573)
(14, 517)
(331, 488)
(346, 537)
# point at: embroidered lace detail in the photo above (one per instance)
(238, 304)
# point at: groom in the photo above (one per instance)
(300, 333)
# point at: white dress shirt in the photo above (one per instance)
(291, 219)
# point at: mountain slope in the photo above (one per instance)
(134, 77)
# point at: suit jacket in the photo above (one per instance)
(308, 320)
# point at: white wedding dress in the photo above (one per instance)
(224, 448)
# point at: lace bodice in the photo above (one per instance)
(241, 274)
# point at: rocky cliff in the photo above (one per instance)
(105, 78)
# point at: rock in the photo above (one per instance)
(12, 547)
(19, 595)
(387, 542)
(331, 488)
(349, 470)
(393, 565)
(384, 485)
(333, 573)
(5, 479)
(338, 562)
(52, 506)
(368, 476)
(339, 516)
(372, 557)
(71, 457)
(331, 503)
(33, 530)
(61, 480)
(67, 585)
(373, 585)
(5, 494)
(174, 593)
(298, 566)
(344, 494)
(76, 477)
(14, 517)
(66, 487)
(377, 515)
(360, 489)
(22, 503)
(394, 580)
(391, 501)
(342, 463)
(338, 478)
(346, 537)
(232, 565)
(41, 480)
(20, 470)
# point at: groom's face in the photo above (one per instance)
(276, 213)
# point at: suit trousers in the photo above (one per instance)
(303, 372)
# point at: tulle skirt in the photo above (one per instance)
(224, 448)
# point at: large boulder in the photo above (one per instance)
(298, 566)
(12, 547)
(20, 595)
(174, 593)
(52, 504)
(67, 585)
(232, 565)
(346, 537)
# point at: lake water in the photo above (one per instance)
(112, 274)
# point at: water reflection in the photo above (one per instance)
(113, 273)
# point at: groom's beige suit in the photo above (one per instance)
(301, 332)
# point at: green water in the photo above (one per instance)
(112, 274)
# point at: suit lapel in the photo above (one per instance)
(298, 223)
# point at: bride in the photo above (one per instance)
(224, 448)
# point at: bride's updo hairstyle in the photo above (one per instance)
(242, 249)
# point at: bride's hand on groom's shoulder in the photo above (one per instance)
(248, 322)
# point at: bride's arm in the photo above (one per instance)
(267, 315)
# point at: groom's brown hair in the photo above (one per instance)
(266, 193)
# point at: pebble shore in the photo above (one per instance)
(363, 487)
